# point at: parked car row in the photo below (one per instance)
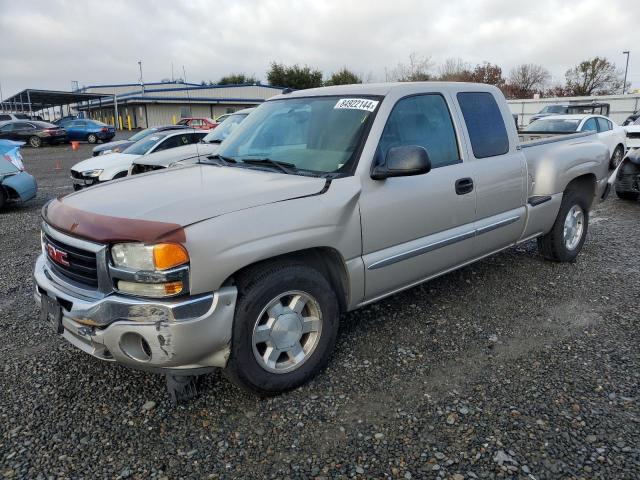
(152, 149)
(37, 133)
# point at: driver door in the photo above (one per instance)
(416, 227)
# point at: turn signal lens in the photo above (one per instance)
(169, 255)
(157, 290)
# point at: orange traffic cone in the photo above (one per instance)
(75, 145)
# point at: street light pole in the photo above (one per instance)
(626, 69)
(141, 80)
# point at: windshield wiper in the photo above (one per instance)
(222, 160)
(288, 168)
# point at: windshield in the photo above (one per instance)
(223, 130)
(553, 125)
(554, 109)
(140, 135)
(143, 146)
(317, 134)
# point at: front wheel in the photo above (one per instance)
(285, 328)
(35, 141)
(566, 238)
(92, 138)
(616, 158)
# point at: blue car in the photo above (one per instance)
(15, 184)
(89, 130)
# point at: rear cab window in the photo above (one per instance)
(485, 124)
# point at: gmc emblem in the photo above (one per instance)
(56, 255)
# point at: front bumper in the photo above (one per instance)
(180, 335)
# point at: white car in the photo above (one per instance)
(608, 132)
(116, 165)
(633, 134)
(190, 154)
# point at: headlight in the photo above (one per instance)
(92, 173)
(138, 256)
(148, 269)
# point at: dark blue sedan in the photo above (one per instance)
(89, 130)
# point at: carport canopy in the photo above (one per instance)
(31, 100)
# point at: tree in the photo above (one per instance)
(489, 74)
(238, 79)
(454, 70)
(527, 79)
(294, 76)
(596, 76)
(343, 77)
(417, 70)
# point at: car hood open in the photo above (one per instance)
(151, 206)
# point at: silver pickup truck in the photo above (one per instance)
(320, 202)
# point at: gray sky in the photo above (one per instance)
(50, 43)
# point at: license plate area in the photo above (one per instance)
(51, 312)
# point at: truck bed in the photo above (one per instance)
(531, 139)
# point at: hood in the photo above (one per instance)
(110, 145)
(105, 161)
(173, 197)
(166, 157)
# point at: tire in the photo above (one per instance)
(284, 285)
(554, 245)
(35, 141)
(3, 198)
(632, 196)
(616, 158)
(92, 138)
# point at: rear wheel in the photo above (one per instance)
(627, 195)
(616, 158)
(564, 242)
(35, 141)
(92, 138)
(285, 328)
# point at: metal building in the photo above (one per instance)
(152, 104)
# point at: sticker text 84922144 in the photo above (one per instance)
(356, 104)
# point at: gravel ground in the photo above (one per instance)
(511, 368)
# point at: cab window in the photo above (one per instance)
(590, 126)
(425, 121)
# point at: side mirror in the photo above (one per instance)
(403, 162)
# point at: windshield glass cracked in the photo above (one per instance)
(313, 134)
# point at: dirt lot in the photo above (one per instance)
(511, 368)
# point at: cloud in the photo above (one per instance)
(94, 42)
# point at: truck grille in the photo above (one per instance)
(72, 262)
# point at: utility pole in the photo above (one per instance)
(141, 80)
(626, 69)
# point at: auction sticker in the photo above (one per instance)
(357, 104)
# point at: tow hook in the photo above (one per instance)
(182, 388)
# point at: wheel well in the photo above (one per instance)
(584, 183)
(325, 260)
(9, 193)
(120, 175)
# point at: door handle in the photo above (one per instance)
(464, 186)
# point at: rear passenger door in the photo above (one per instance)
(416, 227)
(499, 171)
